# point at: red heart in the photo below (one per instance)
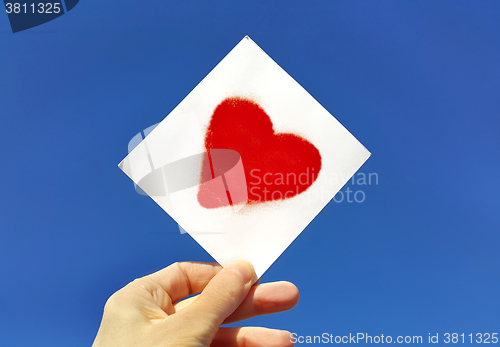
(277, 166)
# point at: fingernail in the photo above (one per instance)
(244, 268)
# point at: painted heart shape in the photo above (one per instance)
(277, 166)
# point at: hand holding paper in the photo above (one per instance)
(148, 313)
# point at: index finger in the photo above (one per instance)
(182, 279)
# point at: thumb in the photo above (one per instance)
(221, 297)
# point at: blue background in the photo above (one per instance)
(416, 82)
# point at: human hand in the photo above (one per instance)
(147, 312)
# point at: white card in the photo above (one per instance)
(247, 160)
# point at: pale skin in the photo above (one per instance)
(153, 311)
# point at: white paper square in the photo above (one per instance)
(258, 232)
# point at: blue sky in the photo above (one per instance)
(416, 82)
